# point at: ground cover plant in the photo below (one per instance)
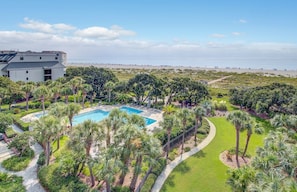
(11, 183)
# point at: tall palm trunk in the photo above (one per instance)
(81, 168)
(47, 152)
(237, 146)
(183, 140)
(196, 129)
(27, 101)
(91, 175)
(83, 100)
(136, 173)
(43, 107)
(168, 144)
(246, 144)
(58, 142)
(88, 148)
(124, 172)
(109, 96)
(108, 188)
(66, 99)
(56, 97)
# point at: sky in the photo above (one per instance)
(198, 33)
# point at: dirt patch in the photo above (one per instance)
(230, 160)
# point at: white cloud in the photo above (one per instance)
(106, 45)
(218, 35)
(242, 21)
(45, 27)
(114, 32)
(236, 33)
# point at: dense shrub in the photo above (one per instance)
(187, 149)
(120, 189)
(149, 183)
(157, 170)
(16, 110)
(41, 159)
(52, 180)
(24, 126)
(16, 163)
(10, 132)
(11, 183)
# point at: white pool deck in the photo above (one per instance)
(146, 112)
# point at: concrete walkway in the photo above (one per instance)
(169, 168)
(30, 180)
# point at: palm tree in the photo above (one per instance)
(45, 129)
(27, 89)
(128, 129)
(199, 112)
(85, 89)
(75, 83)
(249, 132)
(86, 133)
(169, 109)
(71, 110)
(58, 110)
(108, 166)
(183, 114)
(238, 119)
(109, 86)
(55, 87)
(66, 91)
(207, 105)
(168, 124)
(41, 92)
(146, 148)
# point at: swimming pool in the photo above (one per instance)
(98, 115)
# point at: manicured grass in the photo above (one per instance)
(204, 171)
(63, 146)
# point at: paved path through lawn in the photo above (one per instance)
(169, 168)
(30, 180)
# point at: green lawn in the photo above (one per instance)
(204, 171)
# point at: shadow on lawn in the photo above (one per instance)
(200, 154)
(169, 182)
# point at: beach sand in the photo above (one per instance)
(267, 72)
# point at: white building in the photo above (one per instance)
(32, 66)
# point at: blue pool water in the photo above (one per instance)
(98, 115)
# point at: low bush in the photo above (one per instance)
(24, 126)
(16, 163)
(10, 132)
(11, 183)
(157, 170)
(187, 149)
(147, 187)
(52, 180)
(41, 159)
(16, 110)
(120, 189)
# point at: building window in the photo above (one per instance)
(8, 74)
(40, 58)
(47, 71)
(47, 78)
(27, 78)
(27, 71)
(56, 58)
(21, 58)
